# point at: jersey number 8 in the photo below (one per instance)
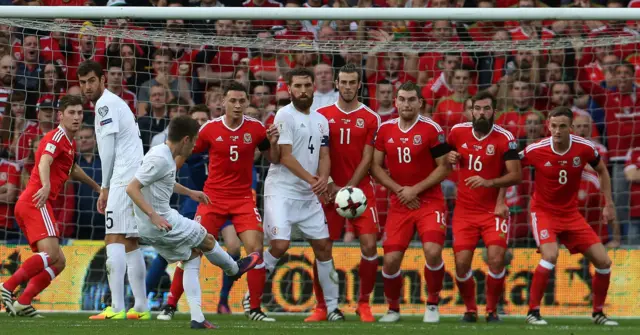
(562, 177)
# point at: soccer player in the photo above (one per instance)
(352, 128)
(120, 149)
(54, 162)
(488, 163)
(293, 186)
(175, 237)
(559, 161)
(414, 150)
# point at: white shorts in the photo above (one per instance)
(119, 217)
(282, 214)
(178, 243)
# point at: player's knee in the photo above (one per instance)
(603, 262)
(550, 256)
(462, 268)
(369, 250)
(278, 248)
(208, 243)
(495, 261)
(433, 255)
(60, 263)
(233, 246)
(391, 263)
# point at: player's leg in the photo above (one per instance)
(278, 218)
(465, 240)
(495, 236)
(154, 273)
(232, 244)
(545, 238)
(431, 226)
(191, 284)
(136, 272)
(367, 228)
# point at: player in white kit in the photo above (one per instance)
(175, 237)
(293, 187)
(120, 149)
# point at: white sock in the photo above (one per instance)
(116, 269)
(270, 262)
(328, 278)
(136, 272)
(217, 256)
(191, 283)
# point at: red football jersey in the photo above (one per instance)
(9, 174)
(410, 154)
(558, 176)
(633, 163)
(231, 156)
(349, 133)
(484, 157)
(58, 145)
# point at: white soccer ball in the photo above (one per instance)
(350, 202)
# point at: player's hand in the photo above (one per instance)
(320, 186)
(502, 210)
(40, 198)
(160, 222)
(332, 190)
(200, 197)
(102, 200)
(273, 134)
(609, 213)
(453, 157)
(414, 205)
(407, 194)
(477, 181)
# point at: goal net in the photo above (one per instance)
(164, 68)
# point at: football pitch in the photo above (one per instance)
(78, 324)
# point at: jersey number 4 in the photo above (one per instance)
(310, 146)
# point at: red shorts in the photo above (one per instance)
(367, 223)
(571, 229)
(243, 213)
(469, 227)
(36, 223)
(402, 223)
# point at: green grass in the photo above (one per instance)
(78, 324)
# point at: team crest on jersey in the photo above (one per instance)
(3, 176)
(441, 138)
(491, 150)
(104, 110)
(247, 138)
(321, 128)
(544, 234)
(360, 123)
(417, 140)
(576, 161)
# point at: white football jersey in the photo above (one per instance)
(158, 176)
(306, 134)
(113, 116)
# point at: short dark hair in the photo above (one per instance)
(410, 86)
(236, 86)
(350, 68)
(484, 95)
(69, 100)
(88, 127)
(562, 111)
(162, 53)
(176, 102)
(89, 66)
(300, 72)
(181, 127)
(200, 108)
(626, 64)
(114, 62)
(384, 82)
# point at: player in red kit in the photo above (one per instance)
(558, 162)
(231, 141)
(488, 163)
(54, 164)
(415, 152)
(352, 128)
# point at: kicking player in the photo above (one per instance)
(415, 152)
(352, 128)
(120, 149)
(559, 161)
(292, 187)
(489, 163)
(174, 236)
(54, 164)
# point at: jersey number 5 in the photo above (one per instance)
(233, 153)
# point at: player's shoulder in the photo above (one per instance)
(503, 133)
(582, 142)
(7, 164)
(318, 117)
(109, 103)
(389, 123)
(429, 123)
(368, 113)
(56, 135)
(328, 109)
(461, 127)
(254, 124)
(544, 143)
(211, 124)
(159, 153)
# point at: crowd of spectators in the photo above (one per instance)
(163, 79)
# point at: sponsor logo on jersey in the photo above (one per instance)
(390, 140)
(219, 139)
(464, 145)
(417, 140)
(104, 110)
(360, 123)
(544, 234)
(247, 138)
(234, 138)
(50, 148)
(321, 128)
(547, 163)
(302, 125)
(332, 121)
(3, 176)
(576, 161)
(513, 145)
(491, 150)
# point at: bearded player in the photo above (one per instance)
(54, 164)
(415, 152)
(559, 161)
(489, 163)
(352, 128)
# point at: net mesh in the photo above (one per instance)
(522, 63)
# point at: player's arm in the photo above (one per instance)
(608, 212)
(107, 152)
(324, 169)
(441, 172)
(77, 173)
(380, 174)
(501, 207)
(195, 195)
(44, 168)
(632, 174)
(290, 162)
(269, 145)
(134, 191)
(363, 167)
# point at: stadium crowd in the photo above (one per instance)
(163, 80)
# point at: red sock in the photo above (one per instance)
(368, 271)
(37, 284)
(177, 288)
(393, 289)
(317, 289)
(467, 289)
(539, 284)
(434, 280)
(600, 286)
(256, 279)
(30, 268)
(494, 290)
